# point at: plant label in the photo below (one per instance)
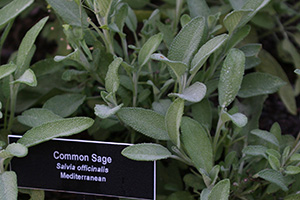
(84, 167)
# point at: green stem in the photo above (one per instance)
(135, 78)
(13, 100)
(124, 46)
(4, 35)
(218, 133)
(179, 4)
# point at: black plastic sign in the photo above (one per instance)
(84, 167)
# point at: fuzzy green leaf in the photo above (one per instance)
(8, 186)
(295, 157)
(255, 150)
(205, 51)
(146, 152)
(27, 44)
(237, 4)
(198, 8)
(235, 19)
(13, 9)
(48, 131)
(104, 111)
(112, 80)
(64, 105)
(149, 48)
(178, 67)
(195, 93)
(70, 12)
(7, 69)
(196, 142)
(202, 112)
(37, 116)
(255, 5)
(274, 162)
(144, 121)
(131, 20)
(231, 77)
(16, 149)
(220, 191)
(173, 120)
(187, 41)
(273, 176)
(257, 83)
(238, 119)
(265, 135)
(292, 170)
(27, 78)
(238, 36)
(75, 55)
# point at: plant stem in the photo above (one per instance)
(4, 35)
(218, 133)
(13, 100)
(135, 78)
(124, 46)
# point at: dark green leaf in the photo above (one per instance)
(273, 177)
(255, 150)
(265, 135)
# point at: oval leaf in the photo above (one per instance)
(238, 119)
(292, 170)
(104, 111)
(17, 149)
(8, 186)
(37, 116)
(146, 152)
(145, 121)
(48, 131)
(173, 120)
(27, 78)
(196, 142)
(187, 41)
(64, 105)
(235, 19)
(220, 191)
(148, 48)
(231, 77)
(112, 80)
(7, 69)
(265, 135)
(205, 51)
(255, 150)
(273, 176)
(195, 93)
(258, 83)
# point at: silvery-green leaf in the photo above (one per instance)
(273, 176)
(187, 41)
(295, 157)
(258, 83)
(255, 5)
(238, 119)
(234, 19)
(144, 121)
(198, 8)
(173, 120)
(8, 186)
(37, 116)
(70, 12)
(255, 150)
(251, 49)
(131, 20)
(75, 55)
(220, 191)
(104, 111)
(196, 142)
(148, 48)
(120, 15)
(292, 170)
(202, 112)
(205, 51)
(156, 91)
(289, 47)
(13, 9)
(237, 4)
(7, 69)
(194, 93)
(231, 77)
(238, 36)
(27, 78)
(27, 44)
(16, 149)
(48, 131)
(146, 152)
(161, 106)
(204, 194)
(273, 152)
(274, 162)
(184, 20)
(297, 71)
(112, 80)
(265, 135)
(64, 105)
(178, 67)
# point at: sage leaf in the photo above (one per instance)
(146, 152)
(295, 157)
(238, 119)
(8, 186)
(205, 51)
(27, 78)
(292, 197)
(131, 20)
(70, 12)
(237, 37)
(234, 20)
(37, 116)
(237, 4)
(161, 106)
(13, 9)
(265, 135)
(198, 8)
(297, 71)
(64, 105)
(27, 44)
(187, 41)
(75, 55)
(195, 93)
(231, 77)
(148, 48)
(112, 80)
(173, 120)
(255, 5)
(185, 19)
(273, 176)
(177, 67)
(202, 112)
(258, 83)
(145, 121)
(179, 195)
(61, 128)
(7, 69)
(197, 144)
(16, 149)
(255, 150)
(274, 162)
(292, 170)
(220, 191)
(104, 111)
(251, 50)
